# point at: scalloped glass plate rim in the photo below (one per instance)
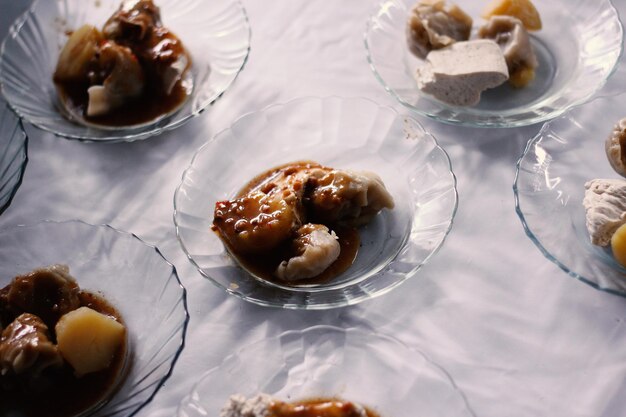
(520, 213)
(174, 273)
(486, 123)
(140, 132)
(24, 164)
(342, 303)
(326, 328)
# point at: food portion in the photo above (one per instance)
(298, 221)
(459, 74)
(133, 71)
(457, 69)
(263, 405)
(523, 10)
(605, 208)
(433, 24)
(509, 33)
(59, 344)
(615, 147)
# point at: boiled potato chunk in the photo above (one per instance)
(88, 340)
(77, 54)
(524, 10)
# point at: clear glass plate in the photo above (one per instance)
(132, 275)
(352, 133)
(13, 154)
(577, 50)
(323, 361)
(549, 190)
(216, 33)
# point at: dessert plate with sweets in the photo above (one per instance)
(316, 203)
(495, 63)
(121, 70)
(570, 192)
(92, 321)
(326, 371)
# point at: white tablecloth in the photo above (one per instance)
(517, 335)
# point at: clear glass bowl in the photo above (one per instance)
(324, 361)
(549, 190)
(216, 33)
(13, 154)
(350, 133)
(577, 50)
(132, 275)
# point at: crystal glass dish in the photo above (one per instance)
(323, 361)
(345, 133)
(216, 34)
(549, 190)
(13, 155)
(133, 276)
(577, 50)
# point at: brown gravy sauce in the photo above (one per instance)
(304, 411)
(146, 108)
(58, 393)
(263, 265)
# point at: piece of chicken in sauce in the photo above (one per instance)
(25, 347)
(133, 56)
(47, 293)
(137, 24)
(294, 208)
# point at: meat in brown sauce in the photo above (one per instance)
(31, 364)
(290, 222)
(132, 72)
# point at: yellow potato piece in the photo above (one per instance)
(88, 340)
(522, 77)
(618, 245)
(524, 10)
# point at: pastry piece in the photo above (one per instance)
(433, 24)
(616, 147)
(351, 198)
(523, 10)
(605, 208)
(315, 248)
(457, 75)
(509, 33)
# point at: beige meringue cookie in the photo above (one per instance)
(615, 146)
(605, 208)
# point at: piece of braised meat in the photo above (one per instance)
(137, 24)
(26, 347)
(47, 293)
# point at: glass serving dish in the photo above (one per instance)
(577, 50)
(133, 276)
(216, 33)
(346, 133)
(549, 190)
(374, 370)
(13, 154)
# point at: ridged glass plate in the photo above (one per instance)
(324, 361)
(216, 33)
(132, 275)
(577, 50)
(346, 133)
(13, 154)
(549, 190)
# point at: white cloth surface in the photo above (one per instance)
(517, 335)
